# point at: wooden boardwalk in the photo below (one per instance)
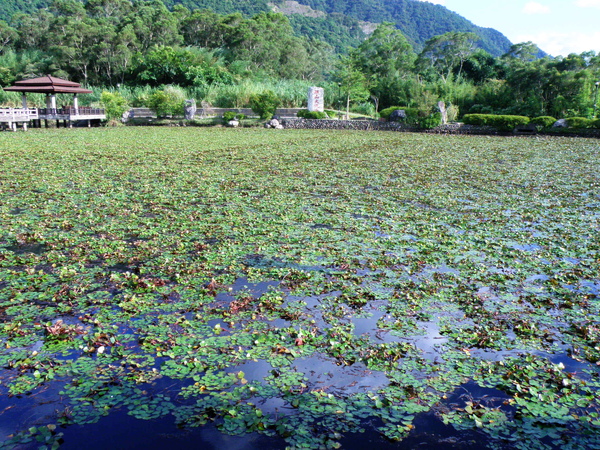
(10, 118)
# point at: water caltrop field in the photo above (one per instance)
(251, 288)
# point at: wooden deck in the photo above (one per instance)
(10, 118)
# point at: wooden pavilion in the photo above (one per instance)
(51, 86)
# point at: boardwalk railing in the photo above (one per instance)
(9, 115)
(70, 111)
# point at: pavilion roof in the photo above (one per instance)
(48, 85)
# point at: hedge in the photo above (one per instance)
(579, 122)
(501, 122)
(543, 121)
(306, 114)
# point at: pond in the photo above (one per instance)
(305, 289)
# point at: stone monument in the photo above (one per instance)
(189, 109)
(443, 112)
(316, 99)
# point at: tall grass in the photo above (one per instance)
(293, 94)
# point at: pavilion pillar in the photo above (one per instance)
(76, 104)
(48, 102)
(24, 101)
(53, 103)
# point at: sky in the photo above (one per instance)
(558, 27)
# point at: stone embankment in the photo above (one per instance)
(373, 125)
(451, 128)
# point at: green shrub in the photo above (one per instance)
(452, 112)
(543, 121)
(306, 114)
(114, 105)
(509, 123)
(232, 115)
(431, 121)
(476, 119)
(264, 104)
(365, 108)
(596, 123)
(501, 122)
(168, 102)
(579, 122)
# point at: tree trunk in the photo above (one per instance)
(347, 108)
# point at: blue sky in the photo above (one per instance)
(558, 27)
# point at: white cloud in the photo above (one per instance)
(564, 43)
(588, 3)
(536, 8)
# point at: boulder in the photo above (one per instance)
(274, 123)
(561, 123)
(398, 115)
(233, 123)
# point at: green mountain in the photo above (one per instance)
(338, 22)
(418, 20)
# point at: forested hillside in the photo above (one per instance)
(418, 21)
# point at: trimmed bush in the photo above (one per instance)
(306, 114)
(596, 123)
(501, 122)
(264, 104)
(579, 122)
(543, 121)
(476, 119)
(232, 115)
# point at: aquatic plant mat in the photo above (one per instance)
(218, 288)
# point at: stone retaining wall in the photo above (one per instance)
(368, 125)
(330, 124)
(451, 128)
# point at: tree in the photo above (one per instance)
(445, 52)
(352, 82)
(202, 28)
(523, 51)
(481, 67)
(153, 24)
(8, 36)
(72, 41)
(385, 53)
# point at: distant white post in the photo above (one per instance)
(316, 99)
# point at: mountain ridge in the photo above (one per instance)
(326, 19)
